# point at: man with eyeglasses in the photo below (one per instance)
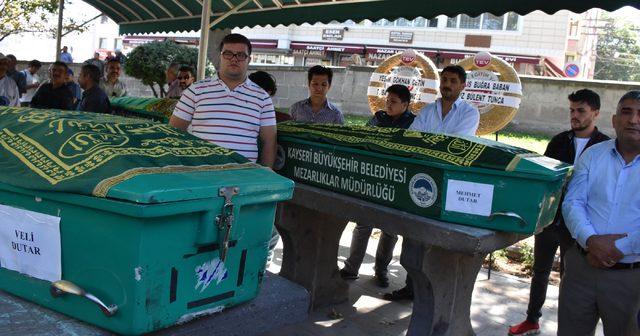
(229, 109)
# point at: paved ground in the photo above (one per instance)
(497, 303)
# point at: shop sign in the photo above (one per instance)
(304, 52)
(400, 37)
(332, 34)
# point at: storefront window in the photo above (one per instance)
(492, 22)
(467, 22)
(512, 21)
(487, 21)
(403, 23)
(419, 22)
(452, 22)
(271, 59)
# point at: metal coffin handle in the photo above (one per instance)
(63, 287)
(523, 223)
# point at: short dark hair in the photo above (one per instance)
(458, 70)
(401, 91)
(187, 68)
(633, 95)
(174, 65)
(586, 96)
(60, 63)
(11, 56)
(93, 72)
(319, 70)
(265, 80)
(112, 59)
(236, 38)
(35, 64)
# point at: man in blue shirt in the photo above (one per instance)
(449, 114)
(602, 212)
(65, 55)
(317, 109)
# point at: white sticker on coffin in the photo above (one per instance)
(469, 197)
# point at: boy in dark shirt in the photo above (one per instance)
(397, 115)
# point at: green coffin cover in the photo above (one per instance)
(465, 180)
(89, 153)
(158, 109)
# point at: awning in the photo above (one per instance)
(148, 16)
(343, 48)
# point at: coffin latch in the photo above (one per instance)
(225, 219)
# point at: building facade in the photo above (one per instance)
(535, 44)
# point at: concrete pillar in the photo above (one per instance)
(215, 37)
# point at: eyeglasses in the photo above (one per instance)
(229, 55)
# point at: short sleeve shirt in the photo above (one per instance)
(328, 114)
(228, 118)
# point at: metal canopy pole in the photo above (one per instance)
(204, 38)
(59, 32)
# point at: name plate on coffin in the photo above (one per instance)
(30, 243)
(391, 183)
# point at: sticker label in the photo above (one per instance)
(30, 243)
(423, 190)
(469, 197)
(208, 272)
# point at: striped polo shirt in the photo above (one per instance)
(228, 118)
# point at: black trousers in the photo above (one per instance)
(544, 251)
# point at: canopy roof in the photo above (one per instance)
(148, 16)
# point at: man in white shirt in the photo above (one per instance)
(229, 109)
(602, 211)
(449, 114)
(111, 83)
(9, 93)
(33, 81)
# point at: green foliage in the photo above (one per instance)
(618, 52)
(526, 258)
(31, 16)
(149, 62)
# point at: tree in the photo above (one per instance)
(618, 52)
(32, 16)
(149, 62)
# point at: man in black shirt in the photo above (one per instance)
(584, 108)
(56, 93)
(93, 98)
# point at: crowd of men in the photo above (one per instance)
(97, 81)
(597, 227)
